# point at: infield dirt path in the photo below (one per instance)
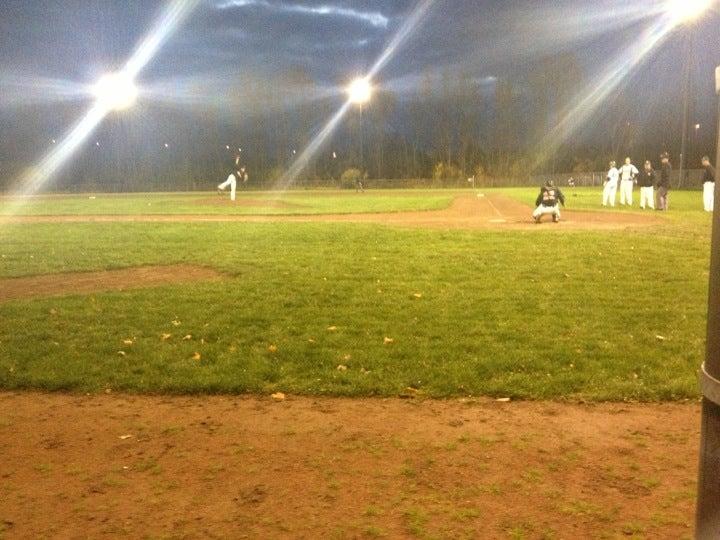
(107, 466)
(466, 212)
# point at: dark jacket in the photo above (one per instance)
(550, 196)
(709, 175)
(664, 178)
(646, 178)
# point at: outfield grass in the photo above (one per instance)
(531, 314)
(292, 202)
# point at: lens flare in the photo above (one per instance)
(360, 91)
(361, 88)
(685, 11)
(579, 112)
(115, 91)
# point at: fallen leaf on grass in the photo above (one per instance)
(417, 295)
(388, 341)
(347, 357)
(311, 340)
(176, 323)
(128, 342)
(272, 348)
(124, 437)
(332, 328)
(197, 356)
(503, 400)
(121, 353)
(278, 396)
(342, 368)
(660, 338)
(187, 338)
(165, 337)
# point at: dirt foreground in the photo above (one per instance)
(105, 280)
(250, 467)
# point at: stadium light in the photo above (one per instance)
(686, 11)
(360, 91)
(115, 91)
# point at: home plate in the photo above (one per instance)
(498, 221)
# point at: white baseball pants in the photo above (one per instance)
(647, 197)
(626, 192)
(610, 193)
(709, 196)
(545, 210)
(232, 182)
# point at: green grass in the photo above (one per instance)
(525, 314)
(263, 203)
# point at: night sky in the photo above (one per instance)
(51, 50)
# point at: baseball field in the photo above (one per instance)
(424, 364)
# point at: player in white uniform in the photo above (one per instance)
(708, 185)
(628, 172)
(236, 173)
(611, 185)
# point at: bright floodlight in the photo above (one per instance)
(684, 11)
(360, 91)
(115, 91)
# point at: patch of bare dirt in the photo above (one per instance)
(466, 212)
(106, 280)
(246, 467)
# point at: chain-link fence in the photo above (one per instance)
(692, 179)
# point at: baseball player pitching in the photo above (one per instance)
(236, 173)
(548, 202)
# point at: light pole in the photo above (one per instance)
(360, 92)
(708, 501)
(686, 12)
(686, 112)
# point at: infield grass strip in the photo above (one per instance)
(601, 316)
(248, 203)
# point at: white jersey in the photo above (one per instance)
(628, 172)
(613, 175)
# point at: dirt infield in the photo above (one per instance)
(466, 212)
(106, 280)
(245, 467)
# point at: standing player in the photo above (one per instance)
(611, 185)
(628, 172)
(647, 180)
(708, 185)
(548, 202)
(663, 183)
(236, 173)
